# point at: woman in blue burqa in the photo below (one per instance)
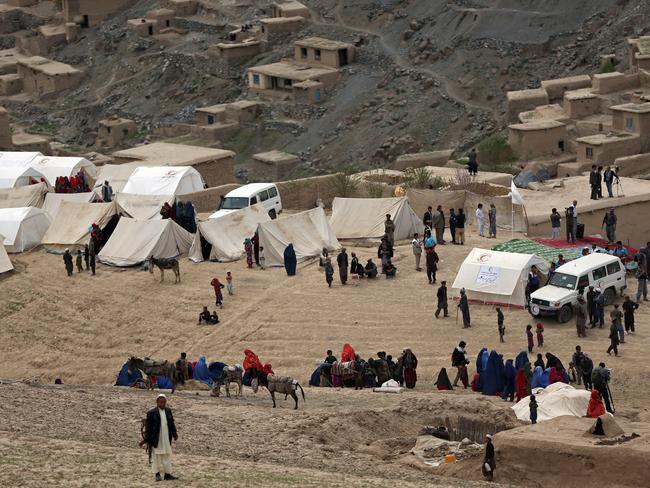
(290, 260)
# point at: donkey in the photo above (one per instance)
(163, 264)
(231, 374)
(153, 367)
(286, 385)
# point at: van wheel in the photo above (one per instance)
(272, 214)
(610, 296)
(565, 314)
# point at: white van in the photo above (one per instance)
(557, 298)
(265, 193)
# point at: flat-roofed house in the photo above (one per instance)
(316, 50)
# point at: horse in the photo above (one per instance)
(153, 367)
(163, 264)
(286, 385)
(231, 374)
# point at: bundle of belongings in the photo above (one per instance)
(390, 386)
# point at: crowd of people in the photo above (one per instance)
(78, 183)
(182, 213)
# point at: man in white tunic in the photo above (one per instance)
(480, 220)
(159, 431)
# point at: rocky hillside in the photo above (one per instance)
(430, 74)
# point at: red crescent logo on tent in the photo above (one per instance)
(484, 257)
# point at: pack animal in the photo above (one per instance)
(350, 373)
(163, 264)
(286, 385)
(153, 367)
(231, 374)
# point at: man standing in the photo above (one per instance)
(159, 431)
(480, 220)
(600, 378)
(609, 223)
(628, 314)
(416, 245)
(572, 222)
(472, 163)
(439, 225)
(452, 225)
(599, 306)
(591, 306)
(442, 300)
(107, 192)
(427, 220)
(91, 254)
(556, 223)
(67, 260)
(587, 370)
(182, 365)
(594, 178)
(489, 463)
(460, 225)
(608, 178)
(463, 305)
(581, 317)
(577, 360)
(342, 261)
(432, 264)
(600, 182)
(613, 340)
(641, 285)
(389, 229)
(617, 320)
(492, 218)
(460, 362)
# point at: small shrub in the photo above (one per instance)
(607, 67)
(374, 189)
(344, 185)
(494, 149)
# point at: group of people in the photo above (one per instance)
(78, 183)
(87, 256)
(436, 222)
(351, 267)
(205, 317)
(597, 177)
(182, 213)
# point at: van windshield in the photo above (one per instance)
(563, 281)
(234, 203)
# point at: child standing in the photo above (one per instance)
(329, 272)
(79, 262)
(573, 374)
(529, 335)
(502, 328)
(262, 258)
(216, 284)
(229, 286)
(533, 409)
(540, 335)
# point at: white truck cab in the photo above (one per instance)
(265, 193)
(560, 294)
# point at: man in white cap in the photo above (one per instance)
(489, 464)
(160, 429)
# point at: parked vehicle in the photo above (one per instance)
(265, 193)
(558, 297)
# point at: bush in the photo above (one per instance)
(344, 185)
(421, 178)
(494, 149)
(374, 189)
(607, 67)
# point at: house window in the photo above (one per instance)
(303, 52)
(629, 123)
(287, 83)
(317, 54)
(256, 79)
(589, 152)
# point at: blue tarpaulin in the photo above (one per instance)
(126, 379)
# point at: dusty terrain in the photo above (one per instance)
(83, 328)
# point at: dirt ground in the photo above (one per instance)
(83, 328)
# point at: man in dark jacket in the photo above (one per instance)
(427, 220)
(452, 225)
(594, 179)
(591, 307)
(442, 300)
(628, 313)
(439, 225)
(460, 362)
(460, 226)
(159, 431)
(342, 261)
(67, 260)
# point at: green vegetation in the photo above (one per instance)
(374, 189)
(344, 184)
(421, 178)
(607, 67)
(494, 149)
(48, 128)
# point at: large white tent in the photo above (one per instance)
(134, 241)
(143, 207)
(226, 234)
(53, 201)
(497, 277)
(17, 176)
(55, 166)
(362, 218)
(23, 228)
(116, 174)
(308, 231)
(23, 196)
(164, 180)
(553, 401)
(5, 262)
(17, 158)
(72, 223)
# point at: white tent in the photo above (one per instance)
(116, 174)
(554, 401)
(5, 262)
(24, 196)
(72, 223)
(497, 277)
(143, 207)
(53, 201)
(55, 166)
(17, 158)
(17, 176)
(23, 227)
(164, 180)
(227, 233)
(133, 241)
(308, 231)
(360, 218)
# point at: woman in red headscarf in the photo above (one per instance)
(521, 384)
(595, 408)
